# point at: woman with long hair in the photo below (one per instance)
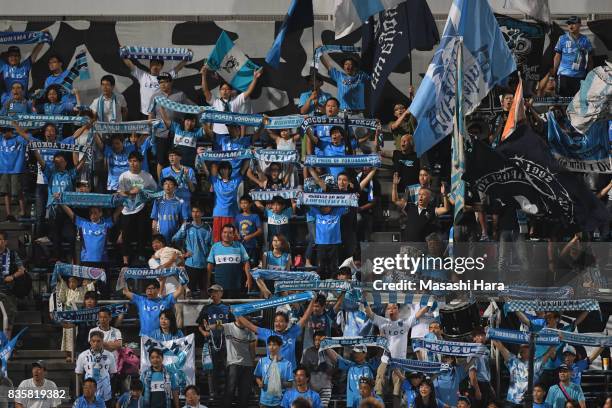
(426, 398)
(168, 330)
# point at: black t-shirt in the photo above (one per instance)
(369, 194)
(408, 166)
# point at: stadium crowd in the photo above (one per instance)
(199, 216)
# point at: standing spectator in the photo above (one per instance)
(12, 166)
(112, 340)
(55, 105)
(404, 124)
(90, 300)
(115, 159)
(578, 366)
(42, 184)
(150, 305)
(273, 374)
(110, 106)
(368, 201)
(16, 71)
(5, 385)
(312, 101)
(162, 137)
(498, 122)
(366, 391)
(228, 260)
(148, 81)
(572, 58)
(565, 390)
(405, 162)
(160, 387)
(240, 345)
(539, 394)
(447, 383)
(356, 369)
(90, 398)
(278, 217)
(320, 369)
(301, 389)
(197, 239)
(16, 102)
(183, 175)
(249, 229)
(70, 293)
(135, 221)
(169, 212)
(12, 268)
(38, 382)
(410, 386)
(327, 238)
(350, 82)
(98, 364)
(186, 136)
(481, 391)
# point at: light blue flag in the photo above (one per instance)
(487, 60)
(231, 63)
(458, 154)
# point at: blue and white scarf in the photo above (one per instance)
(356, 161)
(452, 348)
(381, 297)
(273, 155)
(146, 273)
(80, 68)
(274, 275)
(114, 107)
(551, 305)
(580, 339)
(340, 121)
(425, 367)
(328, 199)
(138, 126)
(180, 107)
(284, 122)
(8, 122)
(25, 37)
(78, 271)
(520, 337)
(77, 120)
(316, 285)
(7, 350)
(156, 53)
(269, 194)
(89, 314)
(332, 48)
(231, 118)
(247, 308)
(531, 292)
(84, 200)
(226, 155)
(63, 147)
(368, 341)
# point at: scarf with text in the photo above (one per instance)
(147, 274)
(373, 124)
(530, 292)
(77, 120)
(425, 367)
(167, 103)
(63, 147)
(84, 200)
(274, 275)
(520, 337)
(269, 194)
(552, 305)
(328, 199)
(9, 122)
(360, 160)
(78, 271)
(451, 348)
(580, 339)
(79, 68)
(381, 297)
(25, 37)
(137, 126)
(316, 285)
(156, 53)
(231, 118)
(284, 122)
(226, 155)
(273, 155)
(89, 314)
(333, 48)
(248, 308)
(368, 341)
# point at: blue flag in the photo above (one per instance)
(231, 63)
(487, 60)
(588, 153)
(7, 349)
(299, 16)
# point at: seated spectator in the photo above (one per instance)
(90, 398)
(301, 389)
(98, 364)
(160, 387)
(273, 374)
(192, 397)
(110, 106)
(168, 330)
(133, 397)
(38, 382)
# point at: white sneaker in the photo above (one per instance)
(43, 240)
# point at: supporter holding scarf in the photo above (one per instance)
(109, 106)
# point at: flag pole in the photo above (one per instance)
(314, 66)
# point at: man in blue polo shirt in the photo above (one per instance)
(350, 82)
(572, 58)
(301, 390)
(169, 212)
(228, 260)
(150, 305)
(328, 237)
(14, 70)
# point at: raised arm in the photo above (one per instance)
(37, 49)
(205, 89)
(307, 313)
(400, 202)
(128, 63)
(165, 117)
(20, 131)
(68, 212)
(326, 61)
(253, 83)
(178, 292)
(523, 318)
(247, 323)
(502, 349)
(446, 208)
(366, 180)
(181, 65)
(317, 179)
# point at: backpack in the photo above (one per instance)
(128, 363)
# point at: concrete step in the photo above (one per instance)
(28, 317)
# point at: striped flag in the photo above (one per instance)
(349, 15)
(458, 154)
(79, 69)
(230, 62)
(517, 112)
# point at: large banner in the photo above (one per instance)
(179, 357)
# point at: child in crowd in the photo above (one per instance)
(70, 294)
(278, 216)
(132, 398)
(273, 374)
(249, 229)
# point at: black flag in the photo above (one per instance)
(601, 28)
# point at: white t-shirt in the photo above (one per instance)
(112, 334)
(38, 403)
(236, 105)
(129, 180)
(161, 257)
(148, 87)
(99, 367)
(109, 107)
(421, 328)
(396, 331)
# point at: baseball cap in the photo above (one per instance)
(573, 20)
(164, 76)
(360, 349)
(564, 367)
(40, 363)
(569, 349)
(215, 287)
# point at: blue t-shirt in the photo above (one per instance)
(557, 399)
(117, 164)
(289, 338)
(182, 191)
(481, 365)
(14, 107)
(577, 368)
(292, 394)
(198, 239)
(330, 150)
(16, 73)
(327, 226)
(278, 224)
(169, 213)
(542, 405)
(81, 402)
(148, 311)
(186, 142)
(409, 393)
(94, 238)
(47, 156)
(447, 385)
(228, 261)
(60, 108)
(12, 154)
(276, 263)
(354, 373)
(286, 374)
(225, 196)
(56, 79)
(323, 97)
(573, 55)
(126, 400)
(246, 225)
(59, 181)
(350, 89)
